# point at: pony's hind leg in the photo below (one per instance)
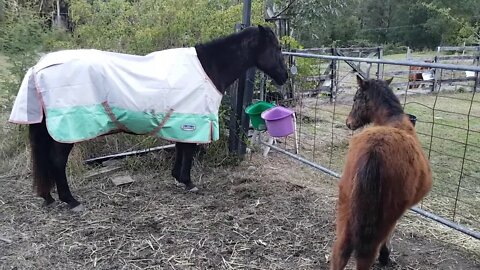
(384, 256)
(59, 157)
(40, 143)
(385, 249)
(365, 260)
(366, 256)
(342, 250)
(49, 200)
(176, 170)
(343, 246)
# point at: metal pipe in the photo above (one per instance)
(383, 61)
(130, 153)
(247, 12)
(415, 209)
(299, 158)
(244, 118)
(447, 223)
(246, 82)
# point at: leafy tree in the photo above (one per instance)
(416, 23)
(22, 34)
(148, 25)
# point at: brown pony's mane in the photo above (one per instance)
(382, 97)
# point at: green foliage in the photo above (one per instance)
(21, 36)
(454, 29)
(145, 26)
(315, 21)
(416, 23)
(305, 66)
(390, 48)
(290, 43)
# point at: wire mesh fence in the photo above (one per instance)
(445, 102)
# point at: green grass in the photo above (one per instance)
(416, 55)
(3, 73)
(443, 126)
(3, 63)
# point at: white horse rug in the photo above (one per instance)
(88, 93)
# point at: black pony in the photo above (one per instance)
(224, 60)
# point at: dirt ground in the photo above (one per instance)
(264, 214)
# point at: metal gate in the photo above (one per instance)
(444, 101)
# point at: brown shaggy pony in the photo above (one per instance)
(386, 172)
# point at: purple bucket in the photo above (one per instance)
(279, 121)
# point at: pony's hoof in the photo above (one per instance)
(176, 176)
(192, 189)
(78, 209)
(49, 204)
(384, 261)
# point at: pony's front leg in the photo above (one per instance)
(187, 158)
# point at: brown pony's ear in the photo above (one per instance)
(389, 81)
(361, 83)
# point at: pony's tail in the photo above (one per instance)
(366, 204)
(40, 144)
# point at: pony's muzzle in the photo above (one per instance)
(412, 118)
(348, 123)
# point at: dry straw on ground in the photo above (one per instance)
(265, 214)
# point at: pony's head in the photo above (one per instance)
(373, 101)
(269, 58)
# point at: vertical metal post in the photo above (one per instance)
(245, 119)
(477, 78)
(333, 74)
(291, 60)
(380, 66)
(244, 96)
(435, 73)
(236, 101)
(249, 81)
(247, 12)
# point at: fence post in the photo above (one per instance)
(380, 67)
(333, 73)
(291, 62)
(477, 79)
(236, 101)
(434, 71)
(244, 118)
(248, 85)
(239, 121)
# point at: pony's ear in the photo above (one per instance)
(389, 81)
(263, 36)
(263, 31)
(361, 83)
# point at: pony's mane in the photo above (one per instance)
(382, 96)
(233, 38)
